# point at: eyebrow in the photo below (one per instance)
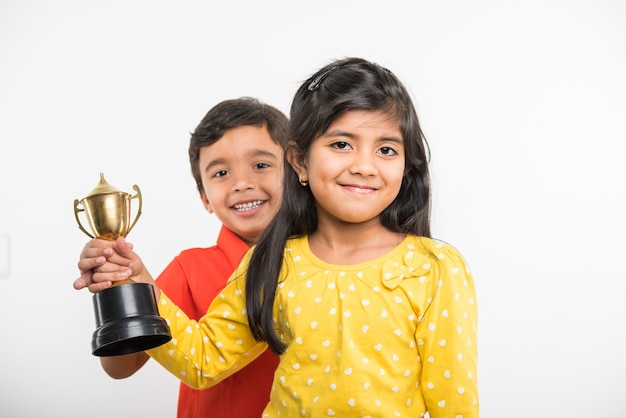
(256, 153)
(395, 139)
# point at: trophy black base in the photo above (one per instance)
(127, 321)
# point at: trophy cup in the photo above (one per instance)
(127, 317)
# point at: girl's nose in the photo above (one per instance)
(364, 163)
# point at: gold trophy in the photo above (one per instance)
(127, 318)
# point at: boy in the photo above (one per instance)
(236, 155)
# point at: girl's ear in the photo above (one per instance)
(297, 161)
(205, 202)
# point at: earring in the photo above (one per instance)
(303, 183)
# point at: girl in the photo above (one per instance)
(371, 317)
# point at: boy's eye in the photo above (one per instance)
(262, 165)
(387, 151)
(341, 145)
(220, 173)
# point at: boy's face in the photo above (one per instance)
(242, 180)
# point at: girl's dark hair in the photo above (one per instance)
(229, 114)
(341, 86)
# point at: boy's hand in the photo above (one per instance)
(100, 265)
(104, 262)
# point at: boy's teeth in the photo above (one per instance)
(249, 205)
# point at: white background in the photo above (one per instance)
(524, 106)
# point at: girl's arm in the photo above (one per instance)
(201, 353)
(205, 352)
(446, 339)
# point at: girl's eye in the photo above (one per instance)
(220, 173)
(387, 151)
(341, 145)
(262, 165)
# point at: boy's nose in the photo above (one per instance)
(243, 183)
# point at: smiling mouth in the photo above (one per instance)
(359, 189)
(248, 205)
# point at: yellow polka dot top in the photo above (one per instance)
(391, 337)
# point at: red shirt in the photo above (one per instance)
(191, 281)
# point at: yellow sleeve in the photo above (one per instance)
(203, 353)
(446, 338)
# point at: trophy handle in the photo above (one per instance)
(138, 196)
(76, 210)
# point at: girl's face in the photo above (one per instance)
(355, 168)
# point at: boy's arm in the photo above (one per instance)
(222, 335)
(121, 367)
(98, 268)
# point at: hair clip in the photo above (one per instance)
(315, 84)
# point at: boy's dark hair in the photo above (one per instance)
(229, 114)
(342, 86)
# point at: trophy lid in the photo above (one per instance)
(103, 188)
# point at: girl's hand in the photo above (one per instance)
(123, 264)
